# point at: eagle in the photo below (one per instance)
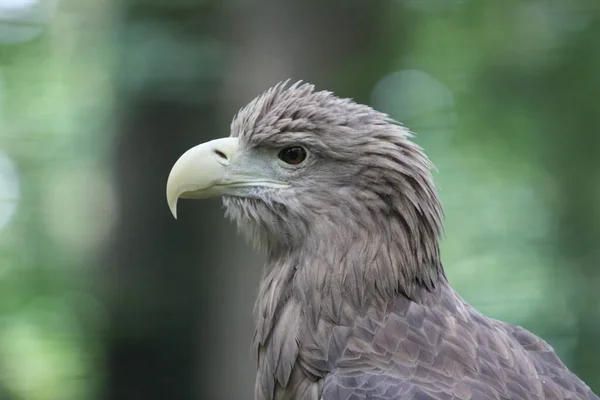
(354, 302)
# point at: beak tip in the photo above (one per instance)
(173, 208)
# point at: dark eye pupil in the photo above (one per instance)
(292, 155)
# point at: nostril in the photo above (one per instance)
(220, 154)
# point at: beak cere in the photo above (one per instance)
(201, 172)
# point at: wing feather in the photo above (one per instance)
(424, 352)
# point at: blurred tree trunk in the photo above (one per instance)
(160, 270)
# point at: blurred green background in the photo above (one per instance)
(104, 296)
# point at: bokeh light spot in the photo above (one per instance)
(415, 98)
(17, 4)
(24, 20)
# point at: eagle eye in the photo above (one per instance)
(292, 155)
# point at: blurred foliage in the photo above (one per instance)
(502, 95)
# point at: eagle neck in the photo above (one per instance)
(309, 291)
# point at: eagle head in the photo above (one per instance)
(306, 168)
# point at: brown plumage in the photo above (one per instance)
(354, 303)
